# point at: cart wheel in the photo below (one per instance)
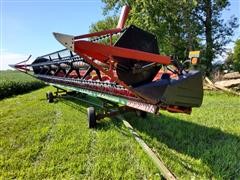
(141, 114)
(91, 117)
(50, 97)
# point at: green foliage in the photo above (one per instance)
(229, 58)
(232, 62)
(13, 83)
(108, 23)
(167, 23)
(182, 25)
(51, 141)
(215, 31)
(236, 56)
(228, 63)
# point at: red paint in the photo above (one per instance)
(101, 33)
(123, 17)
(103, 53)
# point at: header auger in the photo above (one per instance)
(129, 72)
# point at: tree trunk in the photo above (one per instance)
(208, 33)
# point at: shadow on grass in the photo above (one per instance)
(82, 107)
(219, 150)
(76, 104)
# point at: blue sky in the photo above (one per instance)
(27, 25)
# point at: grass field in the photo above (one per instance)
(40, 140)
(14, 82)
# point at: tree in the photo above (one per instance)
(236, 56)
(228, 64)
(216, 32)
(182, 25)
(107, 23)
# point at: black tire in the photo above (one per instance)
(141, 114)
(91, 117)
(50, 97)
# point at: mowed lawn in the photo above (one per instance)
(40, 140)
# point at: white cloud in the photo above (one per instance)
(8, 57)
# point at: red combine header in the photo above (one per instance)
(129, 72)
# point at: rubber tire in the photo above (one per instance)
(91, 117)
(141, 114)
(50, 97)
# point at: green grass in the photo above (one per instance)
(205, 144)
(14, 82)
(40, 140)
